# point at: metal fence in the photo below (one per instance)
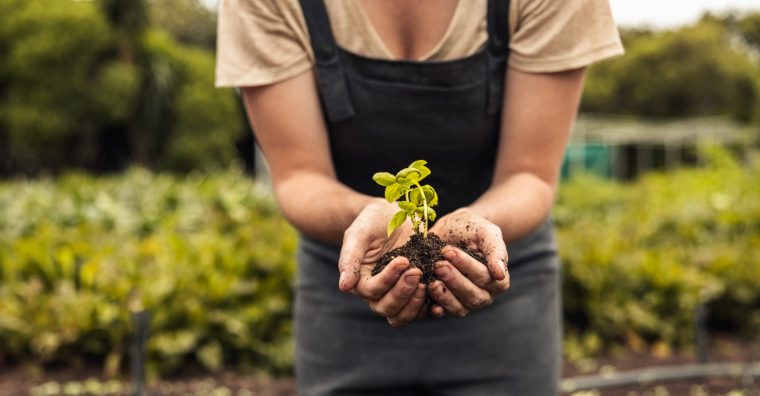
(623, 147)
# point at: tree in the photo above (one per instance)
(89, 85)
(749, 27)
(188, 21)
(50, 107)
(696, 70)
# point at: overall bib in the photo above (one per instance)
(381, 115)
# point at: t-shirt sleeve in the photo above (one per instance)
(557, 35)
(259, 42)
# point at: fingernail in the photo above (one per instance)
(450, 254)
(342, 279)
(442, 271)
(412, 280)
(503, 268)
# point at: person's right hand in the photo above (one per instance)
(396, 292)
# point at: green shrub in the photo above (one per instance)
(639, 258)
(213, 260)
(210, 257)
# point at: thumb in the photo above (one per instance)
(350, 260)
(496, 252)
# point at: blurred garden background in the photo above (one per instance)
(129, 184)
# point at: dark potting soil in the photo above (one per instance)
(423, 253)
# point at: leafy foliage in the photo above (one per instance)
(92, 85)
(417, 201)
(210, 258)
(50, 51)
(203, 121)
(640, 258)
(696, 70)
(189, 21)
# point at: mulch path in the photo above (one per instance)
(35, 381)
(722, 349)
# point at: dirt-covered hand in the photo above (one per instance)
(465, 283)
(395, 293)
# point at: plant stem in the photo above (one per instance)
(415, 224)
(424, 207)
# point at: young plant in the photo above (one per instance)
(414, 200)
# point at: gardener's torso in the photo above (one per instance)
(384, 114)
(381, 115)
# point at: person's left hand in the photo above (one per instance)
(464, 283)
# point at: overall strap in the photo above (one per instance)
(497, 52)
(331, 78)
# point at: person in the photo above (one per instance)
(484, 90)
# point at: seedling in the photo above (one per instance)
(414, 200)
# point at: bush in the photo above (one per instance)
(639, 258)
(210, 257)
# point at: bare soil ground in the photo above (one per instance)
(37, 381)
(722, 349)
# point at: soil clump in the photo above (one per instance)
(423, 253)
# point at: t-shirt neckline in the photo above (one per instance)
(375, 36)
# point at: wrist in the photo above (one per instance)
(382, 205)
(473, 210)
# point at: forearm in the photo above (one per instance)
(518, 204)
(318, 205)
(297, 150)
(538, 113)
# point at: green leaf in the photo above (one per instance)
(384, 179)
(394, 191)
(430, 213)
(415, 197)
(211, 355)
(430, 195)
(396, 221)
(408, 176)
(407, 207)
(420, 166)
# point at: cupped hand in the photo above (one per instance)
(395, 293)
(464, 283)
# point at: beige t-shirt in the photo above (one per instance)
(265, 41)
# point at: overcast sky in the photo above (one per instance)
(658, 13)
(669, 13)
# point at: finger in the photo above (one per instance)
(498, 287)
(437, 311)
(469, 294)
(471, 268)
(391, 303)
(493, 246)
(351, 254)
(447, 299)
(411, 310)
(374, 287)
